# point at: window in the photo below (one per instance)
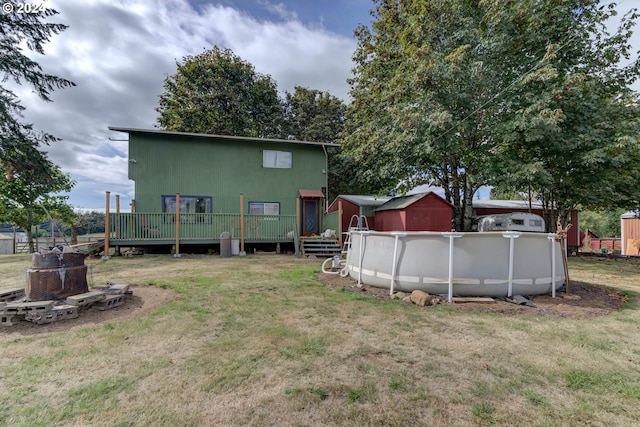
(188, 204)
(535, 222)
(264, 208)
(517, 221)
(277, 159)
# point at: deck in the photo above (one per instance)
(141, 229)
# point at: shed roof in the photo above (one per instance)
(221, 137)
(360, 200)
(402, 202)
(630, 214)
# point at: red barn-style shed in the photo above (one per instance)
(357, 205)
(417, 212)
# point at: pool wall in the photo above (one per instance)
(465, 264)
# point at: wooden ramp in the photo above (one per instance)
(91, 248)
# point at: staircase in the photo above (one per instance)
(318, 246)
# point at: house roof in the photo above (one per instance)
(222, 137)
(360, 200)
(402, 202)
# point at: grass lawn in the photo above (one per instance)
(261, 341)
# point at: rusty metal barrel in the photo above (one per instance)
(56, 275)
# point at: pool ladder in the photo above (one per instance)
(339, 262)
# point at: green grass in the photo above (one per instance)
(260, 340)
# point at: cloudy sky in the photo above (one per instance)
(118, 52)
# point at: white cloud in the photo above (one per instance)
(118, 53)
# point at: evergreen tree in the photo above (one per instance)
(19, 142)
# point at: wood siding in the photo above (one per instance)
(631, 236)
(349, 209)
(221, 169)
(431, 213)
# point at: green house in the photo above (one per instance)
(190, 188)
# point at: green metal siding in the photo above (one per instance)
(222, 169)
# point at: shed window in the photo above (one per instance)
(188, 204)
(277, 159)
(264, 208)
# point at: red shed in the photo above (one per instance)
(417, 212)
(490, 207)
(357, 205)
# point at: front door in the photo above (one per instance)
(310, 223)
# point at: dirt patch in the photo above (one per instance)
(585, 301)
(143, 300)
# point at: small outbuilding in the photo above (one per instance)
(416, 212)
(359, 206)
(630, 231)
(6, 245)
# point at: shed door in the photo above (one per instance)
(310, 223)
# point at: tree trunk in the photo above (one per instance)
(74, 235)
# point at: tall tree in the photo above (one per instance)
(19, 142)
(28, 195)
(570, 131)
(217, 92)
(313, 115)
(451, 93)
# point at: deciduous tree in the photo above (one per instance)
(465, 93)
(217, 92)
(25, 198)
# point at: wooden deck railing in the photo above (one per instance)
(141, 226)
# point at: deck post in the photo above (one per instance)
(105, 254)
(242, 223)
(177, 254)
(117, 252)
(298, 224)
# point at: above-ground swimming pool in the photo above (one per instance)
(465, 264)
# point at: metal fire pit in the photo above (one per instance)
(56, 275)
